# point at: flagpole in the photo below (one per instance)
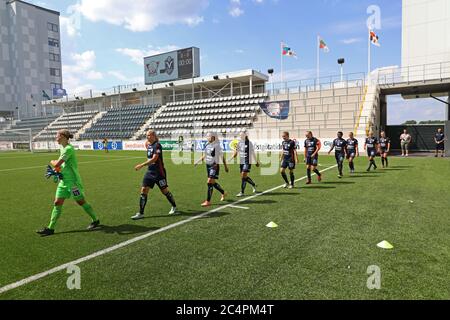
(318, 59)
(281, 55)
(368, 57)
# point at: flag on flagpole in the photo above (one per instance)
(323, 46)
(45, 95)
(287, 51)
(374, 38)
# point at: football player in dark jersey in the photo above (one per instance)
(288, 159)
(385, 147)
(352, 151)
(156, 174)
(312, 148)
(371, 147)
(247, 155)
(339, 146)
(213, 155)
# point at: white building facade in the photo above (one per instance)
(425, 32)
(30, 57)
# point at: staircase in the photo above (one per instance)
(370, 106)
(148, 123)
(89, 124)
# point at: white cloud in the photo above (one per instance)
(137, 55)
(351, 40)
(120, 76)
(400, 110)
(294, 74)
(144, 15)
(239, 51)
(236, 10)
(82, 69)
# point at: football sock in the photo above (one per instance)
(170, 198)
(210, 191)
(56, 213)
(283, 174)
(243, 184)
(88, 209)
(219, 188)
(142, 203)
(308, 174)
(292, 178)
(249, 180)
(317, 172)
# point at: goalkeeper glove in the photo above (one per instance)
(52, 173)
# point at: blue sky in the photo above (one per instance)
(103, 41)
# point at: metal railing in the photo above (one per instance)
(419, 73)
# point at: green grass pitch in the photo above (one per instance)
(325, 241)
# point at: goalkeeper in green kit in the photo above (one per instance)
(65, 170)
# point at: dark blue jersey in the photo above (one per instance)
(351, 145)
(371, 142)
(245, 148)
(311, 145)
(289, 150)
(156, 168)
(213, 152)
(339, 145)
(439, 137)
(384, 143)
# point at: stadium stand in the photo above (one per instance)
(120, 122)
(223, 114)
(71, 121)
(35, 124)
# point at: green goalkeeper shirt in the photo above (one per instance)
(69, 168)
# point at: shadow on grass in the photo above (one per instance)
(283, 193)
(266, 201)
(338, 182)
(317, 187)
(123, 229)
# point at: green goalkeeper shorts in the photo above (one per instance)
(68, 189)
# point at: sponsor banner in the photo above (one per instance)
(276, 109)
(112, 145)
(134, 145)
(45, 145)
(6, 146)
(140, 145)
(82, 145)
(275, 145)
(227, 145)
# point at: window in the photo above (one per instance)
(52, 27)
(55, 86)
(53, 42)
(55, 72)
(54, 57)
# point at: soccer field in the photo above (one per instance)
(325, 242)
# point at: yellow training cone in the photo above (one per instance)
(272, 225)
(385, 245)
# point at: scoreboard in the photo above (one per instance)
(174, 65)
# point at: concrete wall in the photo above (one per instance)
(425, 32)
(324, 112)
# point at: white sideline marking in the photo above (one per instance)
(43, 165)
(239, 207)
(136, 239)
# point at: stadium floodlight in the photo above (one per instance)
(171, 84)
(341, 62)
(270, 71)
(216, 77)
(134, 89)
(104, 94)
(77, 98)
